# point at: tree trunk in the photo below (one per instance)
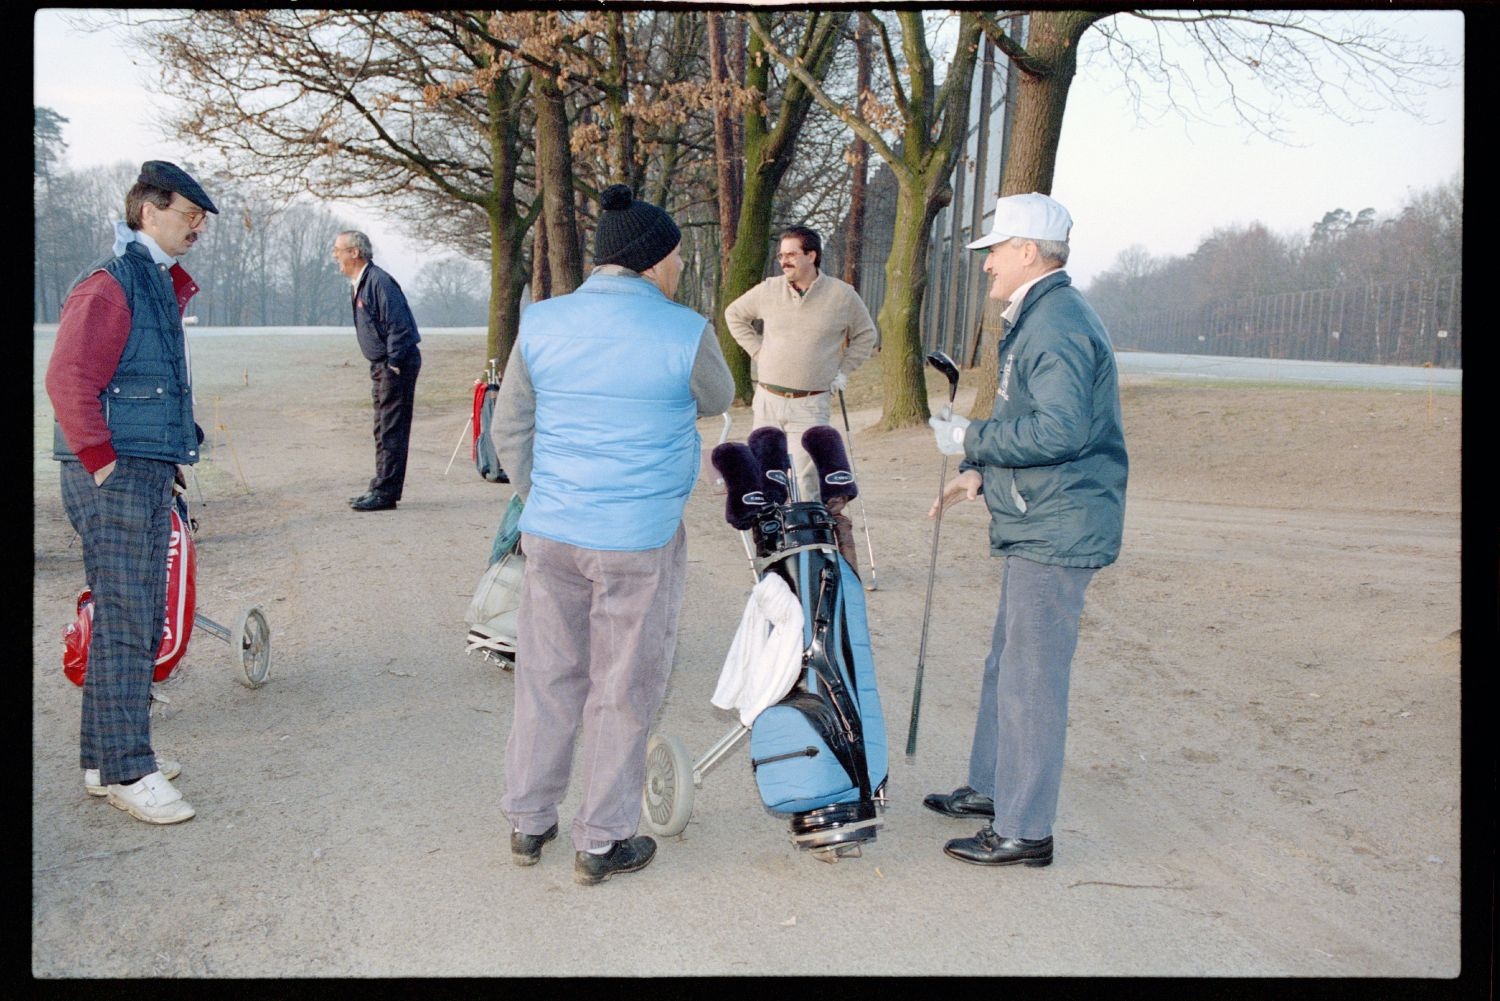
(558, 234)
(903, 383)
(859, 158)
(726, 152)
(507, 229)
(1035, 130)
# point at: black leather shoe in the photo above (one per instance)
(989, 848)
(526, 849)
(961, 802)
(623, 856)
(373, 501)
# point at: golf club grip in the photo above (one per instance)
(916, 692)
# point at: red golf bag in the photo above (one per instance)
(182, 564)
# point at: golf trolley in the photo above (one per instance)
(249, 641)
(808, 700)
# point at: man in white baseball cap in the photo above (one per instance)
(1051, 464)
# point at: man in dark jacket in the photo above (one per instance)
(388, 339)
(121, 390)
(1051, 463)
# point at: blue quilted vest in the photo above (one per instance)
(616, 450)
(148, 403)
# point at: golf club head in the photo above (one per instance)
(945, 365)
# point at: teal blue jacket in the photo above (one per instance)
(1052, 453)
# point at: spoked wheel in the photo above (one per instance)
(250, 647)
(667, 799)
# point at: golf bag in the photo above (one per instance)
(482, 449)
(177, 628)
(492, 612)
(819, 753)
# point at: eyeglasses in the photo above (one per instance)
(194, 217)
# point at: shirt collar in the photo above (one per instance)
(354, 282)
(1019, 296)
(124, 236)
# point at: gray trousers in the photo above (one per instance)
(124, 526)
(1017, 757)
(596, 633)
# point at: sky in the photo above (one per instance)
(1159, 183)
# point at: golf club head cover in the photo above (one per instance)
(826, 448)
(769, 446)
(743, 499)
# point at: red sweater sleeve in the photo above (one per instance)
(91, 335)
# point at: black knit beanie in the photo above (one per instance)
(631, 233)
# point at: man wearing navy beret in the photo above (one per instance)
(388, 337)
(121, 389)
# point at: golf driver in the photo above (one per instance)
(945, 365)
(864, 519)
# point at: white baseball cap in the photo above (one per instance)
(1033, 216)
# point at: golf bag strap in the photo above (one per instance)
(763, 563)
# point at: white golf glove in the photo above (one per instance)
(840, 383)
(949, 433)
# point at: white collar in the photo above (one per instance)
(124, 236)
(1019, 296)
(354, 282)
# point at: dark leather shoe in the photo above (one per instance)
(526, 849)
(989, 848)
(373, 501)
(623, 856)
(962, 802)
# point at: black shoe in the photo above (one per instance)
(961, 802)
(989, 848)
(526, 849)
(623, 856)
(373, 501)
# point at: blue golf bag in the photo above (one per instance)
(818, 754)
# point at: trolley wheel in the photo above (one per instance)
(667, 799)
(250, 647)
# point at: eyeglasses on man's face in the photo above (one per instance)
(194, 216)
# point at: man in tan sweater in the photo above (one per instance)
(814, 331)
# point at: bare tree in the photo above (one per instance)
(1256, 63)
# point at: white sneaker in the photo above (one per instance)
(92, 785)
(153, 799)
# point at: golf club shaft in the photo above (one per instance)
(864, 519)
(916, 692)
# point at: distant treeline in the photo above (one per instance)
(1361, 287)
(260, 262)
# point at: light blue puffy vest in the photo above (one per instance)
(616, 450)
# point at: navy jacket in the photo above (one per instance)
(383, 322)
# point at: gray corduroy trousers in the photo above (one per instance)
(596, 633)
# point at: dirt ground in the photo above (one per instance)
(1263, 771)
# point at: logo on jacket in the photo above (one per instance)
(1004, 391)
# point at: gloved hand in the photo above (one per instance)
(840, 383)
(949, 433)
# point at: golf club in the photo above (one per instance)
(864, 519)
(945, 365)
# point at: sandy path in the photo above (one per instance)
(1263, 762)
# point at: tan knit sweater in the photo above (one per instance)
(800, 343)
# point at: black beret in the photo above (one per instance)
(170, 177)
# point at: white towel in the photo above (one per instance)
(766, 654)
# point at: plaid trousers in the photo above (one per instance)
(125, 526)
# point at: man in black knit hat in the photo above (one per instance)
(596, 421)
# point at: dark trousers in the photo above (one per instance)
(124, 526)
(393, 397)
